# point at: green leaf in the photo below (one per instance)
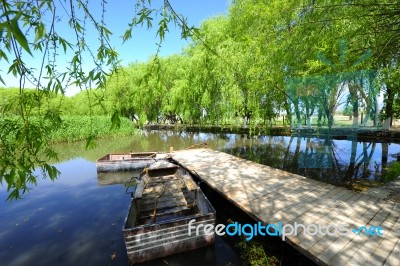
(13, 195)
(115, 120)
(90, 143)
(39, 32)
(19, 36)
(127, 35)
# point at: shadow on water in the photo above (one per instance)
(76, 220)
(338, 162)
(69, 222)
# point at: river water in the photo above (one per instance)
(76, 220)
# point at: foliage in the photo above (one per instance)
(262, 59)
(17, 163)
(79, 128)
(391, 172)
(30, 29)
(252, 253)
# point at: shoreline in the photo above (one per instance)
(341, 133)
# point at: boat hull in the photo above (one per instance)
(152, 241)
(127, 162)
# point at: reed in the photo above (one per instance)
(75, 128)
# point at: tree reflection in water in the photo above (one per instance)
(339, 162)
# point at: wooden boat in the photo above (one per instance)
(166, 199)
(127, 162)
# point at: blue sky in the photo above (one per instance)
(143, 41)
(118, 14)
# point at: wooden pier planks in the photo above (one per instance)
(271, 195)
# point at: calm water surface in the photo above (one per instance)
(77, 221)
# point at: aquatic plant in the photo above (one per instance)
(82, 127)
(253, 254)
(391, 172)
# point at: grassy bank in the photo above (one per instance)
(71, 128)
(81, 127)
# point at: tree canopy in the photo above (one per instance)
(263, 59)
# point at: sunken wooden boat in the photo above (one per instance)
(166, 199)
(127, 162)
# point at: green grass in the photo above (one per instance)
(253, 254)
(391, 172)
(75, 128)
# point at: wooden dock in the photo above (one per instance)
(271, 195)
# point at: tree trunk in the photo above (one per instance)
(351, 169)
(298, 117)
(385, 153)
(355, 113)
(388, 108)
(376, 116)
(362, 118)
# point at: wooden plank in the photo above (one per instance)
(163, 179)
(178, 209)
(394, 257)
(279, 200)
(326, 241)
(191, 185)
(351, 248)
(139, 189)
(325, 215)
(359, 209)
(336, 216)
(272, 195)
(291, 214)
(243, 197)
(163, 204)
(158, 189)
(364, 254)
(143, 154)
(315, 213)
(386, 246)
(163, 198)
(365, 246)
(165, 194)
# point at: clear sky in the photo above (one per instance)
(118, 14)
(143, 42)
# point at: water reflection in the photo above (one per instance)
(69, 222)
(339, 162)
(77, 219)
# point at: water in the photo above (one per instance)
(339, 162)
(75, 220)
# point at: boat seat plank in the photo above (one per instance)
(139, 189)
(190, 184)
(147, 200)
(163, 204)
(166, 211)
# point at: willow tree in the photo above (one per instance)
(367, 26)
(205, 96)
(32, 29)
(174, 83)
(273, 34)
